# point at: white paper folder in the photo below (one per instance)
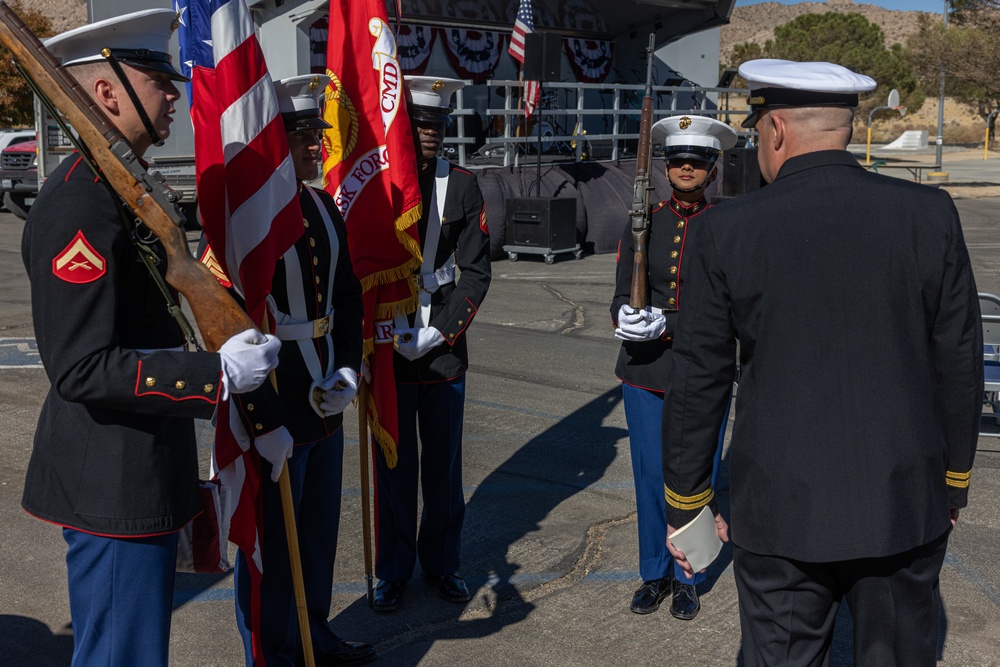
(698, 540)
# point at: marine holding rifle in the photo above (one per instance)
(114, 460)
(691, 146)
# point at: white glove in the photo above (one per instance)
(331, 396)
(415, 343)
(247, 358)
(639, 325)
(275, 447)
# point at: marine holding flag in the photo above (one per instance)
(115, 461)
(430, 363)
(316, 301)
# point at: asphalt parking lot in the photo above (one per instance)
(549, 540)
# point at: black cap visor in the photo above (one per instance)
(776, 98)
(697, 153)
(423, 114)
(151, 60)
(309, 119)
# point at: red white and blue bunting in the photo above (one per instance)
(473, 54)
(589, 58)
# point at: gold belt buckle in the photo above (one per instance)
(321, 327)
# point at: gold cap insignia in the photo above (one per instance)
(437, 85)
(176, 22)
(685, 122)
(314, 84)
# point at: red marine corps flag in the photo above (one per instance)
(370, 168)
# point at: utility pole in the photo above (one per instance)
(940, 125)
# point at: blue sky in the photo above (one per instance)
(934, 6)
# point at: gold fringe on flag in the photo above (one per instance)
(382, 437)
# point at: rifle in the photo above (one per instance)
(219, 317)
(641, 212)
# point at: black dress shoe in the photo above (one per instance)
(388, 595)
(450, 587)
(649, 596)
(348, 653)
(684, 604)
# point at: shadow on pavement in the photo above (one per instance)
(29, 643)
(509, 504)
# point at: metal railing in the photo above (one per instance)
(606, 108)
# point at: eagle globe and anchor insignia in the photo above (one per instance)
(684, 123)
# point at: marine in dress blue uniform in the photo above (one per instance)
(691, 146)
(856, 311)
(316, 303)
(115, 460)
(430, 365)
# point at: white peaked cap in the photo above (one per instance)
(679, 132)
(140, 39)
(786, 83)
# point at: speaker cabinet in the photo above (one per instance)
(543, 57)
(740, 172)
(542, 222)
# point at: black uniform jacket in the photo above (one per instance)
(858, 408)
(643, 364)
(263, 410)
(114, 451)
(464, 233)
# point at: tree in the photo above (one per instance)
(15, 96)
(967, 51)
(847, 39)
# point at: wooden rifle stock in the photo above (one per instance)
(219, 317)
(641, 212)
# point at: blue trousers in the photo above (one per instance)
(315, 472)
(120, 598)
(436, 411)
(644, 416)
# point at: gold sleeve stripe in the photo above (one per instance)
(688, 502)
(958, 480)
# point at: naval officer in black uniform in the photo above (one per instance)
(115, 461)
(691, 147)
(316, 303)
(430, 365)
(855, 307)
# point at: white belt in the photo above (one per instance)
(305, 330)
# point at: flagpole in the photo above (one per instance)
(363, 453)
(292, 537)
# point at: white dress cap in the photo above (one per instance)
(140, 39)
(698, 137)
(299, 101)
(786, 83)
(431, 95)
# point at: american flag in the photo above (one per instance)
(248, 198)
(524, 24)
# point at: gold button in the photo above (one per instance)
(150, 382)
(680, 224)
(460, 323)
(305, 223)
(444, 219)
(312, 243)
(317, 280)
(671, 301)
(315, 261)
(209, 388)
(673, 254)
(180, 384)
(673, 270)
(677, 239)
(468, 310)
(673, 285)
(451, 335)
(319, 297)
(249, 407)
(259, 426)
